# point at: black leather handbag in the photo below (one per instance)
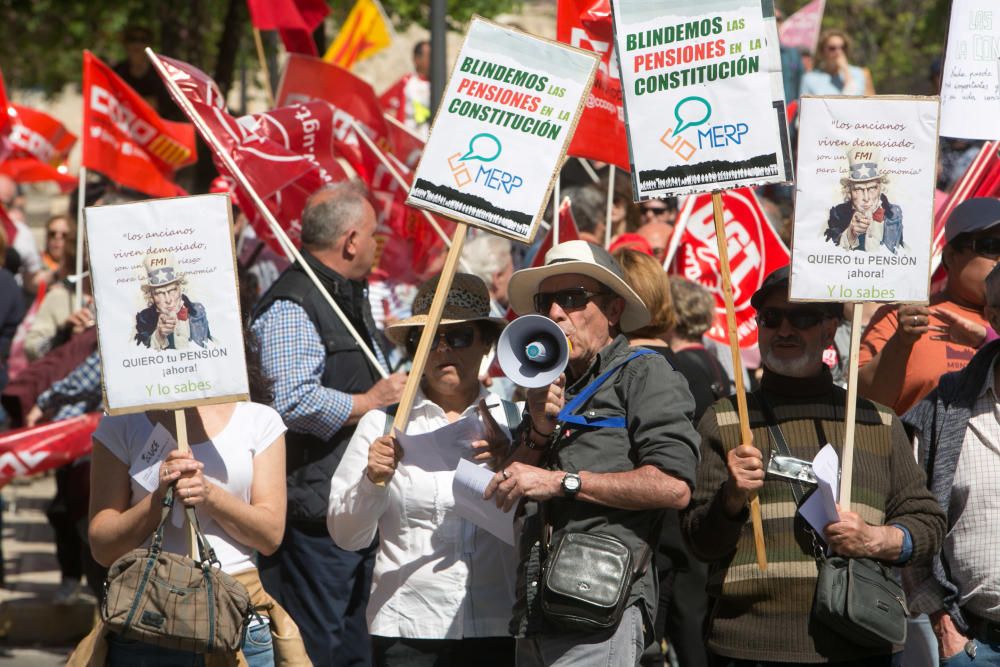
(586, 580)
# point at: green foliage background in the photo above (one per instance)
(42, 39)
(895, 39)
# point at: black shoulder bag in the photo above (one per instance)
(857, 598)
(587, 575)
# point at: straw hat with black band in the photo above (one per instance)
(585, 259)
(468, 301)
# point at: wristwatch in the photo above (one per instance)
(571, 484)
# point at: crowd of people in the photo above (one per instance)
(351, 544)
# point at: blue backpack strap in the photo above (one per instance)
(566, 415)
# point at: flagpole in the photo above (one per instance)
(590, 170)
(81, 199)
(611, 205)
(263, 66)
(290, 250)
(384, 159)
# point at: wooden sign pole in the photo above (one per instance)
(847, 456)
(734, 346)
(183, 445)
(610, 206)
(429, 334)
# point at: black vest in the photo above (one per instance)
(312, 461)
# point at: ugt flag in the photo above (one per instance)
(125, 139)
(754, 252)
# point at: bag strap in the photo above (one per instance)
(779, 440)
(206, 554)
(567, 414)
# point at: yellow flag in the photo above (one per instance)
(365, 32)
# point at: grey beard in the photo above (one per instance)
(802, 366)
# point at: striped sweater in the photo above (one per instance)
(766, 615)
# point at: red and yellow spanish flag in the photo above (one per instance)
(365, 32)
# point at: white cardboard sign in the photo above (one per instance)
(970, 80)
(864, 199)
(704, 100)
(502, 129)
(168, 316)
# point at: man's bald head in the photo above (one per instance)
(332, 212)
(658, 235)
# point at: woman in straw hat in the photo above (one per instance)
(442, 588)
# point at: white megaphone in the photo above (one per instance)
(533, 351)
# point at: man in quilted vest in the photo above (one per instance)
(764, 617)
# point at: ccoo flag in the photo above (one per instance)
(125, 139)
(365, 32)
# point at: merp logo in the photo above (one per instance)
(485, 148)
(693, 112)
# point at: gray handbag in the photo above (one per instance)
(858, 599)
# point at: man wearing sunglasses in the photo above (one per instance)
(630, 453)
(762, 618)
(906, 349)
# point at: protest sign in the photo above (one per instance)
(168, 316)
(970, 80)
(865, 199)
(704, 97)
(508, 113)
(754, 252)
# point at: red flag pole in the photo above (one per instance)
(81, 195)
(290, 250)
(610, 206)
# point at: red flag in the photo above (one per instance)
(9, 230)
(38, 148)
(801, 29)
(754, 252)
(294, 19)
(28, 451)
(600, 135)
(125, 139)
(406, 145)
(5, 121)
(282, 177)
(307, 79)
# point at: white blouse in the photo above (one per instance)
(437, 576)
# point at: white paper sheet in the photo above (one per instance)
(468, 487)
(820, 508)
(442, 449)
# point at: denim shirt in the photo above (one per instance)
(657, 406)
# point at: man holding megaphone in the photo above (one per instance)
(606, 446)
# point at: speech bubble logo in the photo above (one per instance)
(483, 147)
(687, 113)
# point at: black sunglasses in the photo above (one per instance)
(457, 338)
(655, 210)
(987, 246)
(800, 318)
(573, 298)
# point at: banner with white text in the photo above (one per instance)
(704, 100)
(508, 113)
(168, 315)
(864, 201)
(970, 79)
